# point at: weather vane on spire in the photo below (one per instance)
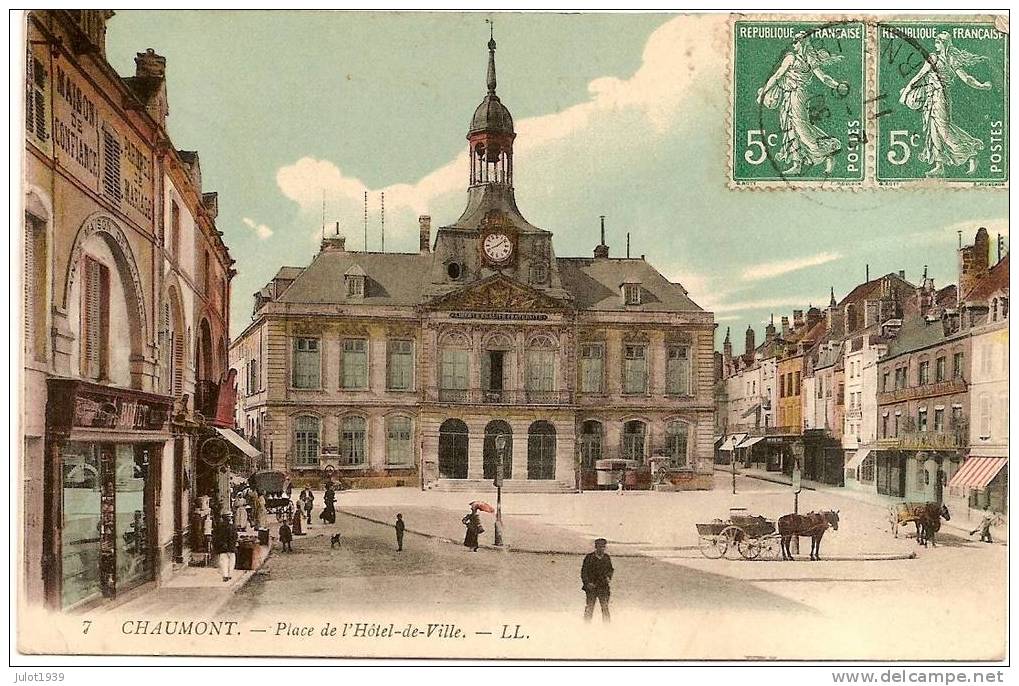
(491, 55)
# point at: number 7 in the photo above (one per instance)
(86, 624)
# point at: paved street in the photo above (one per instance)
(725, 609)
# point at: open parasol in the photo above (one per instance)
(483, 506)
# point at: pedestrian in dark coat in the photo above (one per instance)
(224, 544)
(309, 502)
(328, 515)
(473, 523)
(596, 576)
(400, 526)
(298, 519)
(286, 537)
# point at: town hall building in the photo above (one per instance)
(386, 368)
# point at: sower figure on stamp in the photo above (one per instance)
(803, 143)
(944, 143)
(596, 576)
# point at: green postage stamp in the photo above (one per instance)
(941, 96)
(798, 103)
(866, 102)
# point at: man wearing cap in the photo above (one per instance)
(596, 575)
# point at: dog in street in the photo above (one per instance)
(334, 540)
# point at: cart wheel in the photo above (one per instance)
(712, 547)
(733, 536)
(750, 549)
(771, 547)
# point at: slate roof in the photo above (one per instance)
(594, 285)
(995, 280)
(916, 334)
(392, 278)
(482, 199)
(400, 279)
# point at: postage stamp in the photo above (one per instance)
(798, 100)
(941, 94)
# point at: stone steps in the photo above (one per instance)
(509, 486)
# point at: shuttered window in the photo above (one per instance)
(453, 370)
(175, 229)
(591, 367)
(306, 441)
(399, 448)
(36, 117)
(540, 370)
(95, 319)
(355, 363)
(35, 288)
(635, 369)
(306, 371)
(400, 369)
(111, 166)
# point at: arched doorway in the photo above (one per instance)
(453, 438)
(541, 438)
(590, 443)
(491, 458)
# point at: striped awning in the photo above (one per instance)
(730, 443)
(976, 472)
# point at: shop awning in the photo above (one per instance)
(752, 410)
(750, 442)
(976, 472)
(857, 459)
(732, 441)
(239, 443)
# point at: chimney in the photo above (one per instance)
(601, 251)
(334, 243)
(813, 317)
(150, 65)
(902, 274)
(797, 319)
(785, 327)
(727, 346)
(769, 330)
(750, 343)
(425, 228)
(973, 262)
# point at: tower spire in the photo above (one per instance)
(832, 302)
(491, 57)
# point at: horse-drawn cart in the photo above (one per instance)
(741, 536)
(272, 485)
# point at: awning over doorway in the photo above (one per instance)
(857, 459)
(750, 442)
(239, 443)
(730, 443)
(976, 472)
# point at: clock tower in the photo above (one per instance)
(492, 236)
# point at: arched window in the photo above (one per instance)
(541, 450)
(399, 441)
(494, 368)
(590, 443)
(491, 455)
(677, 444)
(453, 438)
(306, 441)
(352, 441)
(634, 440)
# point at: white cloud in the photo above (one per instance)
(767, 270)
(674, 57)
(261, 230)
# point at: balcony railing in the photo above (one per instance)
(481, 396)
(925, 440)
(949, 387)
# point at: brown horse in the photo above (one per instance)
(812, 524)
(925, 516)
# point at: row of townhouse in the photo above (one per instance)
(897, 389)
(126, 294)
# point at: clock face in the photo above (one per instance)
(498, 247)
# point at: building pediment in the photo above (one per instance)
(497, 293)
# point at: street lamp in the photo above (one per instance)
(500, 451)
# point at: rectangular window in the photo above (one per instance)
(36, 117)
(677, 371)
(895, 427)
(921, 420)
(399, 445)
(884, 426)
(453, 375)
(352, 441)
(796, 383)
(591, 367)
(985, 416)
(939, 421)
(986, 361)
(355, 363)
(306, 441)
(635, 369)
(400, 365)
(886, 379)
(95, 319)
(923, 376)
(355, 286)
(939, 369)
(540, 370)
(958, 360)
(631, 292)
(175, 229)
(307, 371)
(111, 166)
(206, 277)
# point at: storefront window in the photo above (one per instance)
(132, 471)
(79, 531)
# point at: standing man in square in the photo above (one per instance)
(596, 576)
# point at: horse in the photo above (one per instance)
(929, 523)
(925, 516)
(812, 524)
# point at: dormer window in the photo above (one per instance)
(355, 282)
(631, 293)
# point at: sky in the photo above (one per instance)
(617, 115)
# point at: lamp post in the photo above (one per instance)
(798, 452)
(500, 450)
